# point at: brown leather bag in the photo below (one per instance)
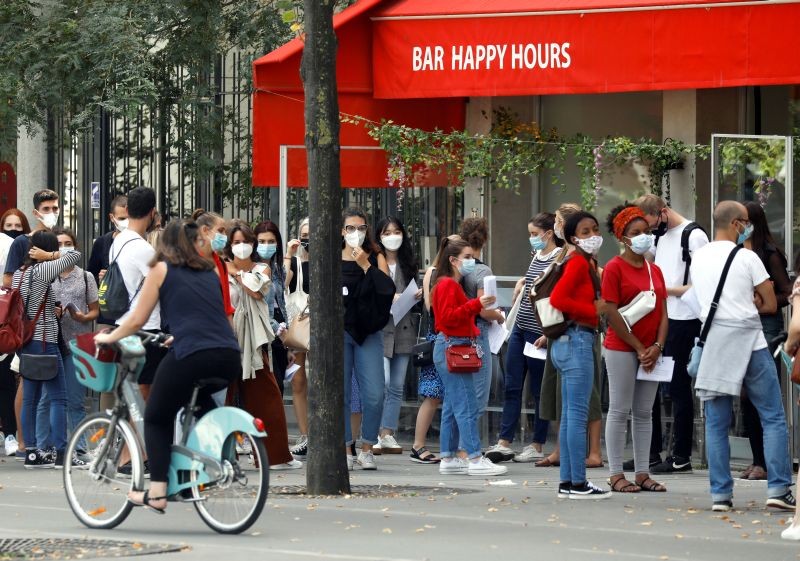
(298, 336)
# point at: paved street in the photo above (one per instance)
(519, 521)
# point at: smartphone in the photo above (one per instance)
(72, 308)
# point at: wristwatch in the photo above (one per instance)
(659, 345)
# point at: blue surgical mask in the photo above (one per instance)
(744, 236)
(642, 243)
(218, 242)
(266, 250)
(537, 243)
(467, 266)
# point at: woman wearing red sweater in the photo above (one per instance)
(577, 296)
(455, 324)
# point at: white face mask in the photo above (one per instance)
(355, 239)
(242, 250)
(392, 242)
(66, 249)
(590, 245)
(559, 232)
(121, 225)
(49, 220)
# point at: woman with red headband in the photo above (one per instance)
(634, 340)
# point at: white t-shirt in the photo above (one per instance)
(5, 245)
(747, 271)
(134, 264)
(669, 258)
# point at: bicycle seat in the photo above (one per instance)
(217, 383)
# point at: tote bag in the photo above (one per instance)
(296, 301)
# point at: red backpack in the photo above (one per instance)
(15, 327)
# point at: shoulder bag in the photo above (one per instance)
(298, 335)
(38, 368)
(697, 351)
(296, 301)
(553, 322)
(641, 305)
(463, 359)
(422, 352)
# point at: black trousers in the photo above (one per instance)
(8, 391)
(680, 340)
(172, 389)
(280, 360)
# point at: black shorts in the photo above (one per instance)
(153, 358)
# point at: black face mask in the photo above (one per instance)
(660, 230)
(304, 243)
(13, 233)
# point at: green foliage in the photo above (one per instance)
(514, 149)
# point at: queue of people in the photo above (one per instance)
(634, 320)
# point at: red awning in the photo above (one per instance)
(528, 47)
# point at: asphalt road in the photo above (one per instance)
(520, 521)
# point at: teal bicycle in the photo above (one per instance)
(219, 465)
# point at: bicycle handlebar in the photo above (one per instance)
(153, 338)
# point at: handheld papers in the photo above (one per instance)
(662, 372)
(490, 289)
(533, 351)
(497, 336)
(405, 302)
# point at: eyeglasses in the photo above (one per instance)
(350, 228)
(745, 220)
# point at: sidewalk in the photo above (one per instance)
(520, 521)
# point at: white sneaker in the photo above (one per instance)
(294, 464)
(388, 445)
(366, 460)
(485, 467)
(349, 462)
(791, 533)
(499, 453)
(453, 466)
(529, 454)
(11, 445)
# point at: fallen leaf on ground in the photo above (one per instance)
(648, 523)
(387, 530)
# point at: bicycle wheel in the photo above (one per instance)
(233, 504)
(95, 493)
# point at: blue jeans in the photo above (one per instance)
(365, 362)
(32, 393)
(76, 407)
(573, 357)
(460, 406)
(763, 389)
(517, 365)
(394, 371)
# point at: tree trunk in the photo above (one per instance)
(327, 470)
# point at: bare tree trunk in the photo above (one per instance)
(327, 470)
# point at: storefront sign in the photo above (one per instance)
(640, 50)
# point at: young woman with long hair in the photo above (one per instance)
(398, 337)
(455, 323)
(577, 296)
(763, 243)
(368, 292)
(184, 281)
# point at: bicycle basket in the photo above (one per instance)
(95, 370)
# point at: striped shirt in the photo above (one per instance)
(526, 319)
(33, 284)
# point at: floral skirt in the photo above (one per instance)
(430, 384)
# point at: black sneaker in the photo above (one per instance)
(722, 506)
(784, 502)
(125, 470)
(300, 449)
(39, 459)
(588, 491)
(77, 463)
(564, 489)
(673, 464)
(499, 453)
(654, 461)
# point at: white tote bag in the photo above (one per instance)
(296, 301)
(641, 305)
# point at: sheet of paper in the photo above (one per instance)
(535, 352)
(690, 299)
(661, 373)
(406, 301)
(497, 336)
(290, 372)
(490, 289)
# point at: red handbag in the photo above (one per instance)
(464, 359)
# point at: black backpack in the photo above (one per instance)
(112, 294)
(686, 256)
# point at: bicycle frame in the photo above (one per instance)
(201, 445)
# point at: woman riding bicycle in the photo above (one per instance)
(205, 347)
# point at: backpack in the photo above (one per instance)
(16, 329)
(112, 294)
(686, 257)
